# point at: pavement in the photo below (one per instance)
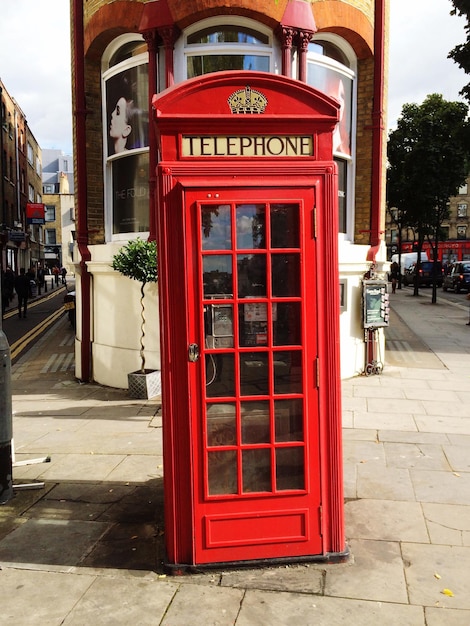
(82, 540)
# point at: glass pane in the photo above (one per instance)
(251, 221)
(204, 64)
(288, 372)
(288, 420)
(220, 375)
(253, 324)
(227, 34)
(255, 422)
(285, 226)
(251, 275)
(290, 468)
(256, 470)
(217, 274)
(287, 324)
(221, 424)
(222, 472)
(254, 375)
(216, 227)
(286, 275)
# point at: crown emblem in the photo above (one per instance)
(247, 100)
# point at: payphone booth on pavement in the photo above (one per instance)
(249, 292)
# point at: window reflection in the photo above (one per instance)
(251, 275)
(288, 372)
(216, 227)
(221, 424)
(222, 472)
(287, 324)
(254, 374)
(220, 375)
(251, 220)
(288, 415)
(286, 275)
(255, 420)
(256, 470)
(217, 274)
(285, 226)
(290, 468)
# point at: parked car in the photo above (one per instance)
(426, 274)
(457, 277)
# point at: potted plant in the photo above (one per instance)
(138, 260)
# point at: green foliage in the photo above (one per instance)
(461, 53)
(138, 260)
(428, 160)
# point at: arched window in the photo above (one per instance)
(331, 68)
(125, 137)
(222, 43)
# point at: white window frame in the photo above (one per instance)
(184, 50)
(106, 73)
(350, 73)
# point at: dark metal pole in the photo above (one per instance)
(6, 421)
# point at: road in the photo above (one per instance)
(43, 312)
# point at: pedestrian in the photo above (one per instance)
(394, 275)
(22, 291)
(56, 272)
(9, 285)
(63, 272)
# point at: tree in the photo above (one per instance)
(461, 53)
(428, 157)
(138, 260)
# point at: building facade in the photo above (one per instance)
(59, 227)
(21, 237)
(124, 52)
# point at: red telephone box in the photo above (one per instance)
(249, 293)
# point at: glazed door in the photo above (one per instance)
(252, 367)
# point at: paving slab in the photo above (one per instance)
(374, 573)
(431, 569)
(121, 602)
(384, 483)
(448, 524)
(30, 598)
(260, 608)
(51, 544)
(441, 487)
(218, 606)
(386, 520)
(412, 455)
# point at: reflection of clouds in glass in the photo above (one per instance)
(243, 224)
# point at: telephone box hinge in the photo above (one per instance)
(314, 222)
(320, 519)
(317, 372)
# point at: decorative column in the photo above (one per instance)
(304, 38)
(169, 35)
(286, 36)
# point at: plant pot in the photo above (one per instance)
(145, 385)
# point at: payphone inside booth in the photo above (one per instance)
(247, 216)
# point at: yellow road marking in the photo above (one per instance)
(18, 347)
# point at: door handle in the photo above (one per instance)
(193, 352)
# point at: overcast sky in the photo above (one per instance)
(35, 60)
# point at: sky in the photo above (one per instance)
(35, 60)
